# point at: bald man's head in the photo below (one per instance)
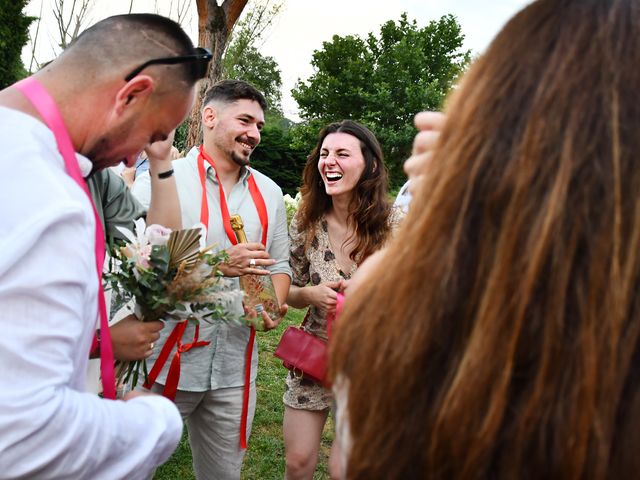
(120, 44)
(125, 82)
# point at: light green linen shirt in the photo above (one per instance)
(221, 364)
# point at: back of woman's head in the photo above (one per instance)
(370, 208)
(502, 340)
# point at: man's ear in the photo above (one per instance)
(209, 116)
(137, 90)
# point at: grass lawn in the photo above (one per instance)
(265, 456)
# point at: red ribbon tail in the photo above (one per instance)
(173, 377)
(174, 338)
(246, 391)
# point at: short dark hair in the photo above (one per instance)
(228, 91)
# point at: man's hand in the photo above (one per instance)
(160, 151)
(429, 125)
(133, 339)
(246, 258)
(128, 174)
(267, 322)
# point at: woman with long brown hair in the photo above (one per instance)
(344, 216)
(499, 338)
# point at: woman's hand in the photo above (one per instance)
(324, 296)
(429, 125)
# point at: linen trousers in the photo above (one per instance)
(213, 421)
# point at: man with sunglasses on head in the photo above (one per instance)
(124, 83)
(216, 387)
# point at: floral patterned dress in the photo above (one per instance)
(315, 265)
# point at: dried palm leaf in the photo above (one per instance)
(184, 246)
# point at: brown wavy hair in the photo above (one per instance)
(503, 341)
(370, 207)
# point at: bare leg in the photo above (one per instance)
(302, 434)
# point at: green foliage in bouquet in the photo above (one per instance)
(170, 275)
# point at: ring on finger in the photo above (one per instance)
(252, 262)
(151, 345)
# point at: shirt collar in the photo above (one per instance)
(245, 172)
(85, 165)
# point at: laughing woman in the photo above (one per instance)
(344, 216)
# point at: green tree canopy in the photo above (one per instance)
(259, 70)
(277, 159)
(382, 81)
(14, 33)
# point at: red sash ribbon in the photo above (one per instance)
(176, 335)
(173, 377)
(48, 110)
(261, 207)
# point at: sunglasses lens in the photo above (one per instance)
(199, 63)
(202, 63)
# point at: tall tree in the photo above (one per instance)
(69, 23)
(243, 60)
(382, 81)
(14, 33)
(215, 23)
(261, 71)
(177, 11)
(69, 19)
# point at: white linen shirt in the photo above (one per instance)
(220, 364)
(49, 426)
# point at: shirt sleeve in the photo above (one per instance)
(297, 255)
(120, 207)
(51, 428)
(279, 248)
(141, 189)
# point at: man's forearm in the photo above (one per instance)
(164, 206)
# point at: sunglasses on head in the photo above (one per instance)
(200, 61)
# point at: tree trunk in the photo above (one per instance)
(215, 23)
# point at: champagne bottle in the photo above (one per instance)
(259, 292)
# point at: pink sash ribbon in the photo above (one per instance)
(48, 110)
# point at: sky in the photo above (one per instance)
(304, 24)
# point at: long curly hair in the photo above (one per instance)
(370, 207)
(503, 342)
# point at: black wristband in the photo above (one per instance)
(167, 174)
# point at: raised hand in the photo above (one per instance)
(429, 125)
(160, 151)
